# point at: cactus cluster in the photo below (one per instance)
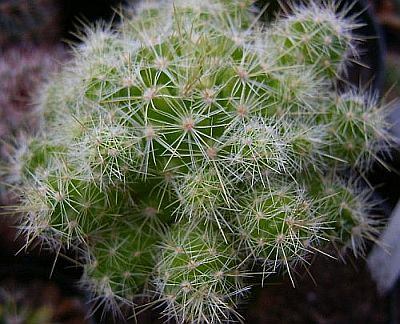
(192, 147)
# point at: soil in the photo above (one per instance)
(332, 293)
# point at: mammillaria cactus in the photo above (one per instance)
(192, 145)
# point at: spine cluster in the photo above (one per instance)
(192, 145)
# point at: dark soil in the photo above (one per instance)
(332, 293)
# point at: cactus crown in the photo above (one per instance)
(193, 144)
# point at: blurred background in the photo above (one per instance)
(35, 37)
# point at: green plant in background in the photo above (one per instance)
(11, 312)
(192, 145)
(392, 77)
(37, 302)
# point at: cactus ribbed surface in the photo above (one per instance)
(191, 145)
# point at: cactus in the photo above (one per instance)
(191, 146)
